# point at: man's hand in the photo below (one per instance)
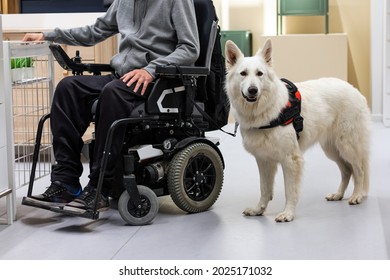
(33, 37)
(141, 77)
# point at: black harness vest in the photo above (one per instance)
(291, 113)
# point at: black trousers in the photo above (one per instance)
(71, 115)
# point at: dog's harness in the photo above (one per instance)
(292, 112)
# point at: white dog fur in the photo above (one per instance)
(335, 114)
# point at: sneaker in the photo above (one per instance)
(58, 194)
(86, 200)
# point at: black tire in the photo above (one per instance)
(142, 216)
(195, 177)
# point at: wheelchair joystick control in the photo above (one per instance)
(77, 58)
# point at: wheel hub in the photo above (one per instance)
(141, 210)
(199, 178)
(201, 175)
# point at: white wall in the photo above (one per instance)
(265, 9)
(377, 56)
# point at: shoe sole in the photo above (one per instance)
(42, 202)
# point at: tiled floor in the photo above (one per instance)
(322, 230)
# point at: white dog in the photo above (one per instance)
(334, 113)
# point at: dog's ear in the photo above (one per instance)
(266, 52)
(232, 54)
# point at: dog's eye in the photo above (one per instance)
(243, 73)
(259, 73)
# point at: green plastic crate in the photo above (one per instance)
(302, 8)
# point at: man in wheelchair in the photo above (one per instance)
(153, 33)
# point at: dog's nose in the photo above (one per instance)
(252, 91)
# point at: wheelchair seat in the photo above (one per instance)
(179, 159)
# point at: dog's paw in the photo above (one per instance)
(285, 216)
(253, 211)
(356, 199)
(334, 197)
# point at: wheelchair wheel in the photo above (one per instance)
(142, 216)
(195, 177)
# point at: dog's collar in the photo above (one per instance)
(291, 113)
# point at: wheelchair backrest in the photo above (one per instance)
(169, 95)
(207, 29)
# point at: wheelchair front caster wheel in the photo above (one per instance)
(139, 216)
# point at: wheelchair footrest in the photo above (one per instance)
(77, 212)
(70, 211)
(35, 203)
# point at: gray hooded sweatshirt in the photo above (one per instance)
(152, 32)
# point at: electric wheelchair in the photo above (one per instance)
(166, 150)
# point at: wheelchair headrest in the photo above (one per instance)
(206, 17)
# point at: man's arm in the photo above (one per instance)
(187, 50)
(104, 27)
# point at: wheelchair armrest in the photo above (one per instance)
(97, 67)
(176, 71)
(69, 64)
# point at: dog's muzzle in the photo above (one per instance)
(252, 94)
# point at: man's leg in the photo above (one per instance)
(117, 101)
(69, 118)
